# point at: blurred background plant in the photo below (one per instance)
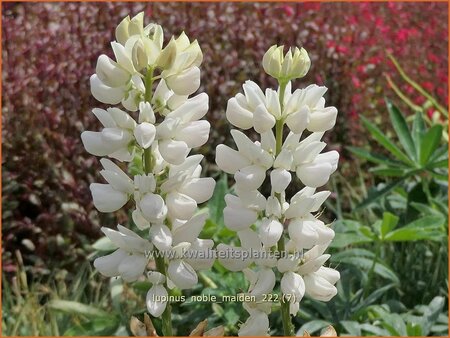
(390, 196)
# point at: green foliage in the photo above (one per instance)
(422, 156)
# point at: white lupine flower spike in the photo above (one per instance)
(160, 123)
(268, 224)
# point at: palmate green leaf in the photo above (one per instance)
(418, 130)
(372, 298)
(402, 130)
(341, 240)
(430, 143)
(388, 172)
(375, 195)
(389, 222)
(353, 328)
(439, 164)
(425, 228)
(375, 158)
(385, 142)
(365, 263)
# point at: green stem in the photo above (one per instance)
(161, 267)
(288, 328)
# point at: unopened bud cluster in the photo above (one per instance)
(157, 140)
(285, 67)
(281, 224)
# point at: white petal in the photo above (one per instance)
(233, 258)
(265, 283)
(139, 220)
(185, 83)
(239, 218)
(304, 233)
(105, 94)
(180, 206)
(153, 208)
(298, 121)
(123, 57)
(253, 94)
(230, 160)
(293, 284)
(262, 120)
(172, 151)
(195, 134)
(319, 288)
(200, 189)
(322, 120)
(116, 177)
(145, 134)
(255, 325)
(109, 265)
(156, 300)
(280, 179)
(270, 232)
(146, 113)
(314, 174)
(132, 267)
(331, 275)
(182, 274)
(110, 73)
(189, 231)
(161, 237)
(237, 115)
(94, 144)
(193, 109)
(204, 258)
(250, 178)
(106, 198)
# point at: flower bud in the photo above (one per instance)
(168, 54)
(139, 55)
(295, 64)
(122, 31)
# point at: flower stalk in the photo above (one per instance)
(290, 225)
(169, 188)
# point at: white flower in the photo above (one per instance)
(115, 138)
(312, 168)
(145, 131)
(184, 188)
(270, 231)
(157, 295)
(310, 100)
(280, 179)
(183, 76)
(320, 284)
(181, 129)
(248, 164)
(254, 109)
(261, 282)
(112, 196)
(257, 324)
(319, 281)
(130, 260)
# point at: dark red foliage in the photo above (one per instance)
(50, 50)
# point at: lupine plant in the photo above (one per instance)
(156, 141)
(277, 231)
